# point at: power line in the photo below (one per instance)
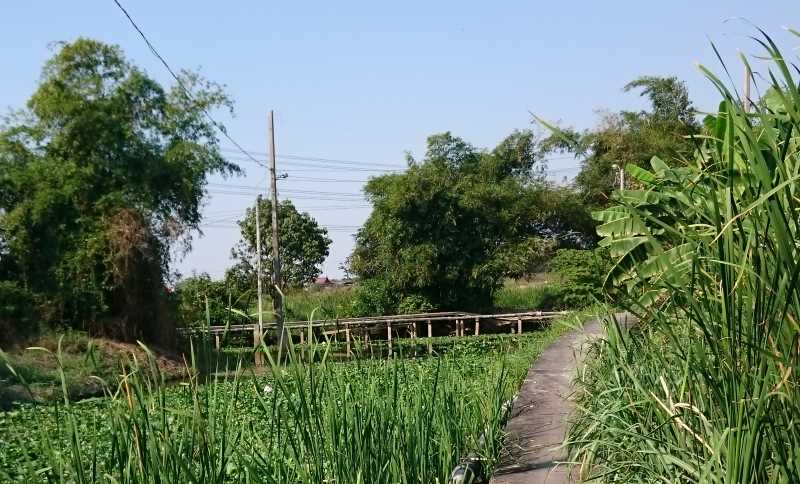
(396, 166)
(183, 87)
(288, 190)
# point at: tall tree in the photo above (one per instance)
(304, 245)
(632, 137)
(100, 177)
(449, 229)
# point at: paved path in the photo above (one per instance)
(538, 425)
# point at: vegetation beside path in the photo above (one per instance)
(706, 388)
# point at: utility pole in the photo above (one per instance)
(748, 75)
(277, 293)
(621, 176)
(258, 332)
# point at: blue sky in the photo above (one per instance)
(368, 81)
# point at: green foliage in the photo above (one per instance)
(383, 422)
(414, 304)
(334, 303)
(452, 226)
(543, 297)
(631, 138)
(706, 389)
(583, 275)
(192, 293)
(374, 297)
(303, 244)
(100, 176)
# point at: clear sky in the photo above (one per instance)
(368, 81)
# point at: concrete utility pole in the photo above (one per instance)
(748, 76)
(258, 332)
(277, 293)
(621, 176)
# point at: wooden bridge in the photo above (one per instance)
(457, 323)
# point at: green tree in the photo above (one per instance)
(101, 176)
(192, 293)
(304, 245)
(632, 137)
(446, 231)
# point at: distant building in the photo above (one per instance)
(323, 281)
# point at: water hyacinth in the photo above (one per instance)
(307, 420)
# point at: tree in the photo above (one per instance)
(101, 176)
(304, 245)
(631, 137)
(446, 231)
(192, 294)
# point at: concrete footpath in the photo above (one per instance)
(538, 422)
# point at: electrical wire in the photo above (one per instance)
(183, 87)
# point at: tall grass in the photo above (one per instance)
(706, 388)
(513, 297)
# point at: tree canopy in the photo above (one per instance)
(446, 231)
(304, 245)
(101, 175)
(632, 137)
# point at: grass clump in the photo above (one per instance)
(706, 388)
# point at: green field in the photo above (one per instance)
(371, 421)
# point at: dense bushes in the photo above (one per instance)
(192, 293)
(583, 273)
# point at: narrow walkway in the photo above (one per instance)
(538, 422)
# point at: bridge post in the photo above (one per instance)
(477, 326)
(389, 336)
(430, 335)
(216, 341)
(347, 338)
(519, 325)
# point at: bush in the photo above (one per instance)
(190, 297)
(583, 272)
(18, 313)
(374, 297)
(415, 304)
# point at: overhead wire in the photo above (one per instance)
(183, 87)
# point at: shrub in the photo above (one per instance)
(415, 303)
(583, 272)
(191, 295)
(374, 297)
